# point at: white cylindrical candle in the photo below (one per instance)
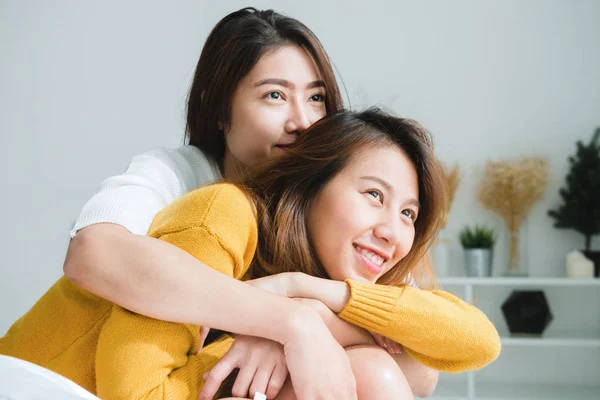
(578, 266)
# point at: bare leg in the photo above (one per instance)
(378, 377)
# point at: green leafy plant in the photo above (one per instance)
(478, 237)
(580, 209)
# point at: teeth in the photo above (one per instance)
(369, 255)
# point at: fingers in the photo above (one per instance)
(278, 378)
(216, 376)
(388, 344)
(203, 335)
(380, 340)
(261, 379)
(392, 347)
(244, 379)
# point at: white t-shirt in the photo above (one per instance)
(152, 181)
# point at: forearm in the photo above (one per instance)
(334, 294)
(127, 270)
(344, 332)
(435, 327)
(154, 278)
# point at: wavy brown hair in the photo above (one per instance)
(284, 189)
(232, 49)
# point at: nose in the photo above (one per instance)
(298, 118)
(389, 230)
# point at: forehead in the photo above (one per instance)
(388, 162)
(289, 62)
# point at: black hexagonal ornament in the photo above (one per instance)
(527, 312)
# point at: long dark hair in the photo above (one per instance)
(232, 49)
(285, 187)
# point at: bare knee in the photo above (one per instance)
(377, 374)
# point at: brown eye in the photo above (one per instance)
(274, 95)
(317, 98)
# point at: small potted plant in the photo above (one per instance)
(478, 244)
(580, 208)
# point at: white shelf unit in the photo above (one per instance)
(526, 369)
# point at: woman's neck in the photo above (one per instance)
(231, 168)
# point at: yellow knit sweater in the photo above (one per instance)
(118, 354)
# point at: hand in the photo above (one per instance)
(388, 344)
(281, 284)
(262, 368)
(319, 367)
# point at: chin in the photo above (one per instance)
(360, 278)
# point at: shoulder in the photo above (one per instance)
(220, 208)
(189, 163)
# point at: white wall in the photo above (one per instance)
(84, 86)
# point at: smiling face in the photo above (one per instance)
(278, 99)
(362, 223)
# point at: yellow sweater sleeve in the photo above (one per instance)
(435, 328)
(142, 358)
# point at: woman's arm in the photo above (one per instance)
(436, 328)
(140, 273)
(110, 255)
(216, 224)
(345, 333)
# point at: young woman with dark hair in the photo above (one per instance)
(337, 223)
(262, 78)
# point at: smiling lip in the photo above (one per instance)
(371, 266)
(376, 251)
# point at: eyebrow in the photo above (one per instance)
(387, 186)
(288, 84)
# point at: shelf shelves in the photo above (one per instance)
(450, 390)
(563, 339)
(517, 391)
(572, 335)
(507, 390)
(523, 282)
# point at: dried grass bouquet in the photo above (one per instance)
(511, 189)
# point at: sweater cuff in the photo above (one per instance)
(370, 305)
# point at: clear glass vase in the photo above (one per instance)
(517, 244)
(440, 254)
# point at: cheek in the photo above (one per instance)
(406, 243)
(268, 117)
(316, 114)
(326, 235)
(252, 121)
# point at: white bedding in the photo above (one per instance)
(22, 380)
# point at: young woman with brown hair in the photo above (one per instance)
(340, 219)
